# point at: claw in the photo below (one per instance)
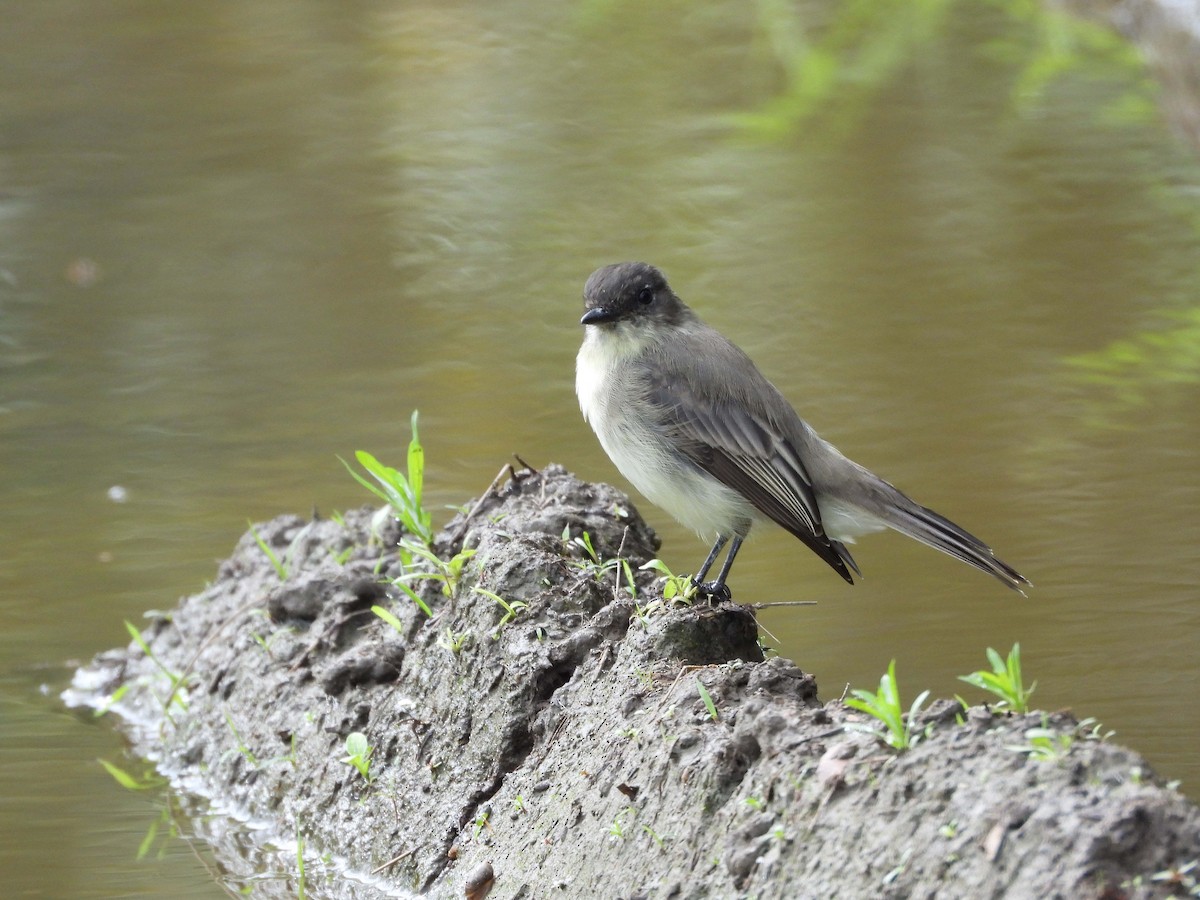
(715, 591)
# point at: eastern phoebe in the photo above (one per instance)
(691, 422)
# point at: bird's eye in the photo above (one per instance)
(645, 295)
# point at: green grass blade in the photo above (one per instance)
(492, 595)
(387, 616)
(123, 778)
(280, 568)
(416, 464)
(370, 486)
(707, 698)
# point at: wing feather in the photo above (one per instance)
(741, 444)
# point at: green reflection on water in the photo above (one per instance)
(834, 71)
(1133, 369)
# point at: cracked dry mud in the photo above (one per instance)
(568, 753)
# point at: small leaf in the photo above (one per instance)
(388, 617)
(356, 745)
(416, 464)
(707, 698)
(123, 778)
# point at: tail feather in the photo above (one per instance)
(841, 550)
(936, 531)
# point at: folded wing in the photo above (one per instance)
(736, 442)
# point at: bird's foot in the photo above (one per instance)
(715, 591)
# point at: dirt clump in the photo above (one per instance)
(558, 743)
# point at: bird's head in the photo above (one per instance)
(630, 294)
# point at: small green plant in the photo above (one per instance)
(595, 566)
(630, 582)
(279, 565)
(707, 698)
(644, 612)
(358, 754)
(755, 803)
(898, 870)
(654, 835)
(591, 561)
(177, 694)
(290, 756)
(519, 803)
(482, 821)
(411, 595)
(1044, 744)
(884, 705)
(453, 640)
(1090, 729)
(448, 572)
(132, 782)
(677, 588)
(617, 828)
(1004, 680)
(241, 746)
(584, 542)
(266, 642)
(511, 609)
(402, 493)
(111, 699)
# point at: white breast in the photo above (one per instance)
(592, 368)
(641, 454)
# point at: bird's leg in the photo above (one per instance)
(717, 591)
(712, 558)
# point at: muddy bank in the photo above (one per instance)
(565, 749)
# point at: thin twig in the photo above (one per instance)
(393, 861)
(770, 633)
(619, 570)
(781, 603)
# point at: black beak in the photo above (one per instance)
(596, 315)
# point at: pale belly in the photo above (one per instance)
(694, 498)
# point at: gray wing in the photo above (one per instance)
(738, 437)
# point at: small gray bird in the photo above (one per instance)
(691, 422)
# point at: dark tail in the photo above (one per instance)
(937, 531)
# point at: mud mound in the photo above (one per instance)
(558, 744)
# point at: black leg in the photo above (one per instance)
(712, 557)
(733, 550)
(717, 591)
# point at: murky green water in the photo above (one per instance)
(237, 239)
